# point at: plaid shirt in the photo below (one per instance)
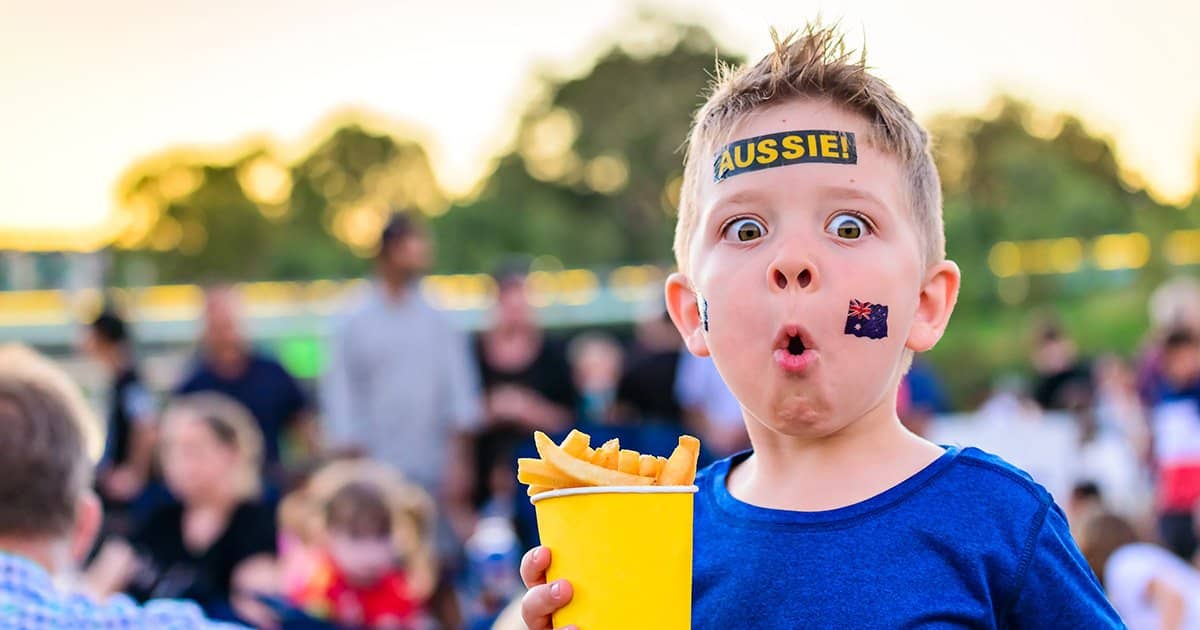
(30, 601)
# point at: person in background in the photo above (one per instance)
(1086, 501)
(1063, 381)
(595, 360)
(645, 414)
(125, 466)
(230, 365)
(527, 386)
(1175, 423)
(49, 515)
(921, 397)
(1113, 450)
(1174, 305)
(217, 545)
(1118, 405)
(646, 391)
(709, 407)
(374, 565)
(1150, 588)
(401, 386)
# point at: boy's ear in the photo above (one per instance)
(684, 309)
(934, 306)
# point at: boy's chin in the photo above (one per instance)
(800, 418)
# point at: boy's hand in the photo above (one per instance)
(543, 599)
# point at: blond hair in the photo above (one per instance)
(234, 426)
(816, 64)
(411, 511)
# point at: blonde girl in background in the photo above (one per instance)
(358, 547)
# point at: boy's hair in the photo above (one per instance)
(816, 64)
(359, 509)
(48, 439)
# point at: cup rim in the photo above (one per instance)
(566, 492)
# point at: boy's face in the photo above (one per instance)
(780, 254)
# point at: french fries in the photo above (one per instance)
(574, 464)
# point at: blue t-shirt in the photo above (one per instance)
(267, 390)
(969, 541)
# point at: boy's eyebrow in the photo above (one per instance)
(744, 196)
(852, 192)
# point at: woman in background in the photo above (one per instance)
(217, 545)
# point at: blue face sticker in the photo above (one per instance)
(865, 319)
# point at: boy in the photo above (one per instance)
(811, 267)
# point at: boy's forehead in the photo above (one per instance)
(795, 115)
(847, 139)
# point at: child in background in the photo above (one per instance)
(361, 556)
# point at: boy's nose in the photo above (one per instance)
(797, 275)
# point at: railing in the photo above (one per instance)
(168, 314)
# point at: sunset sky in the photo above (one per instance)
(87, 88)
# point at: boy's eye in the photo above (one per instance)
(848, 226)
(744, 230)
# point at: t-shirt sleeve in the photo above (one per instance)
(1056, 588)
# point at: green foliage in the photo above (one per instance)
(592, 178)
(594, 173)
(1003, 182)
(255, 217)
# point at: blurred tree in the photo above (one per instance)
(594, 172)
(1022, 174)
(192, 218)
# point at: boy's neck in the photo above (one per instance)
(862, 460)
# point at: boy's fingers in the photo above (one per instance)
(534, 565)
(542, 601)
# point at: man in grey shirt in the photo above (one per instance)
(401, 385)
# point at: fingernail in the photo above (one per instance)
(537, 554)
(556, 590)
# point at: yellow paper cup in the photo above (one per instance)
(627, 551)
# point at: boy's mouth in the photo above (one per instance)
(794, 351)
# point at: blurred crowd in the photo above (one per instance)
(384, 495)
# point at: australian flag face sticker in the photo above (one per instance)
(867, 320)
